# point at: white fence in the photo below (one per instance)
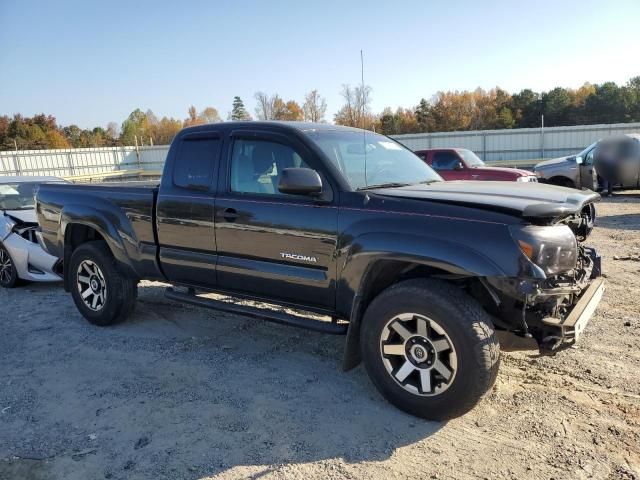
(495, 146)
(82, 161)
(519, 144)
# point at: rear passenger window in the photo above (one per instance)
(196, 160)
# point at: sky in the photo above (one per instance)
(89, 63)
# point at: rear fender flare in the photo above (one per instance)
(110, 226)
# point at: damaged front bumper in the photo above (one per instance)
(573, 309)
(568, 329)
(552, 315)
(31, 262)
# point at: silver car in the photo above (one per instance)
(578, 171)
(573, 171)
(21, 256)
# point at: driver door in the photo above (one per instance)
(588, 175)
(274, 245)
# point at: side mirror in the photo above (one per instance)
(458, 166)
(579, 160)
(300, 181)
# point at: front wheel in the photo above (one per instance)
(429, 348)
(100, 291)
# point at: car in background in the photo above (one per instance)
(463, 164)
(21, 256)
(573, 171)
(579, 171)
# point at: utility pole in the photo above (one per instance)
(542, 135)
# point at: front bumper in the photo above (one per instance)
(575, 322)
(550, 315)
(559, 332)
(31, 261)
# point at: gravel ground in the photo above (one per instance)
(180, 392)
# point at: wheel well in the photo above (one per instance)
(74, 236)
(385, 273)
(562, 181)
(77, 234)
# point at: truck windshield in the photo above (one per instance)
(470, 158)
(368, 160)
(17, 196)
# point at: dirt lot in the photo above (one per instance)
(181, 392)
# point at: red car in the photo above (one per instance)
(462, 164)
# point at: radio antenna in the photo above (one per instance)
(362, 125)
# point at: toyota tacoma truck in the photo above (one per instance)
(427, 279)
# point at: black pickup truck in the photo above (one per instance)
(426, 278)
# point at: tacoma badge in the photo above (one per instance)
(295, 256)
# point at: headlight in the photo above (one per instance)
(522, 179)
(554, 249)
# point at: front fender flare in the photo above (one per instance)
(366, 250)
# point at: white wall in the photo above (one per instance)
(519, 144)
(491, 145)
(81, 161)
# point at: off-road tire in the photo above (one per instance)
(468, 328)
(9, 277)
(121, 291)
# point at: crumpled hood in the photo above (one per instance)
(553, 162)
(26, 216)
(528, 200)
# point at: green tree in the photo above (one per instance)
(526, 108)
(133, 128)
(556, 106)
(610, 104)
(424, 118)
(238, 111)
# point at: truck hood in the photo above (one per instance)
(516, 172)
(527, 200)
(25, 216)
(553, 162)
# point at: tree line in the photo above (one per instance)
(497, 109)
(445, 111)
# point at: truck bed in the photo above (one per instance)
(129, 207)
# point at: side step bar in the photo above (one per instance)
(265, 314)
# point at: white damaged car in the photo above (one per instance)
(21, 256)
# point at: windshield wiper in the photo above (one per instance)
(385, 185)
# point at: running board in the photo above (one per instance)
(264, 314)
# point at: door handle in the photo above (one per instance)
(230, 214)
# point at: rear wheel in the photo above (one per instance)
(100, 291)
(8, 273)
(429, 348)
